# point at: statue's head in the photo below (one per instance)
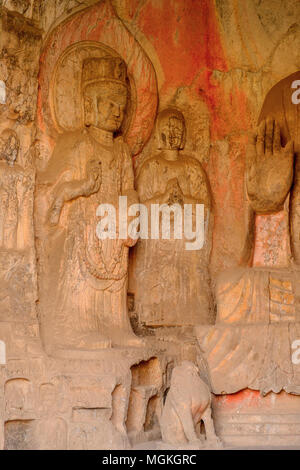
(9, 146)
(171, 129)
(105, 90)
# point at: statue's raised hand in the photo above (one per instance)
(70, 190)
(269, 168)
(94, 176)
(174, 194)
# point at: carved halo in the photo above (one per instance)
(93, 32)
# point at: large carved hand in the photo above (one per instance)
(269, 168)
(71, 190)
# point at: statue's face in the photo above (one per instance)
(172, 132)
(106, 106)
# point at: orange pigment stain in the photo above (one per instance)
(251, 397)
(188, 43)
(185, 36)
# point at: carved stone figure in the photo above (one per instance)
(173, 284)
(16, 194)
(187, 404)
(258, 314)
(18, 5)
(15, 183)
(87, 277)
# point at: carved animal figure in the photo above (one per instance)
(187, 404)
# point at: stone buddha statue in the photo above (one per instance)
(83, 279)
(258, 310)
(173, 283)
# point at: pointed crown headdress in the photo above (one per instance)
(104, 69)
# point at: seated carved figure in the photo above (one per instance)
(173, 284)
(187, 404)
(258, 315)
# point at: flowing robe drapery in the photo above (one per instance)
(82, 279)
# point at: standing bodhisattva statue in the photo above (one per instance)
(82, 279)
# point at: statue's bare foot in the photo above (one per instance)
(93, 341)
(128, 340)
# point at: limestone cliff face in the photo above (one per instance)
(215, 61)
